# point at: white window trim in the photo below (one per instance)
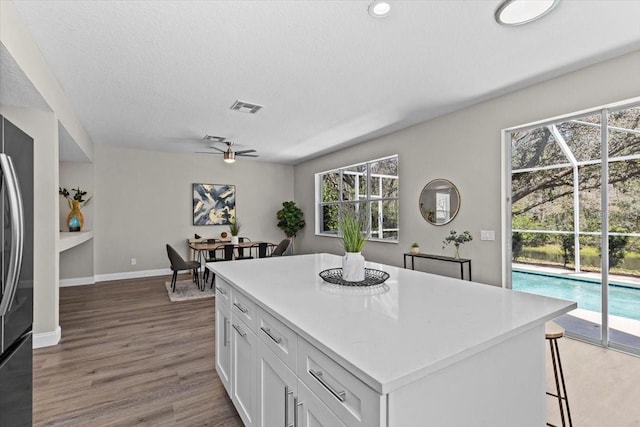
(368, 198)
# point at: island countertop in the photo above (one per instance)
(392, 334)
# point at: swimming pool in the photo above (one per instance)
(623, 301)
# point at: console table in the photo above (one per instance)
(461, 261)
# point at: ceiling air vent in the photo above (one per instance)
(214, 138)
(246, 107)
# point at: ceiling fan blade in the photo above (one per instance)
(247, 155)
(241, 152)
(216, 148)
(207, 152)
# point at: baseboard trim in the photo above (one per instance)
(47, 339)
(132, 274)
(77, 281)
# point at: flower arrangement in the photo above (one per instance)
(353, 239)
(234, 226)
(457, 240)
(77, 197)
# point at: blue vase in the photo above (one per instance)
(74, 223)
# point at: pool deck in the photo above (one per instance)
(622, 324)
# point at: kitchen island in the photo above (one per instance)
(418, 350)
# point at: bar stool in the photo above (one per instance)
(552, 332)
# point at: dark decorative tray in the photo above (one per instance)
(372, 277)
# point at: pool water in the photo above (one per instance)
(623, 301)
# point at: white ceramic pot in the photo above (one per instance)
(234, 240)
(353, 267)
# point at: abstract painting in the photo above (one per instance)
(213, 204)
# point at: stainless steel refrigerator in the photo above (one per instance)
(16, 287)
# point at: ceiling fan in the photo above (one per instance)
(229, 155)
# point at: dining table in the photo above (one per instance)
(200, 248)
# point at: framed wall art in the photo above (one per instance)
(213, 204)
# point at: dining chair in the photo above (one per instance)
(179, 264)
(262, 249)
(228, 256)
(283, 248)
(240, 250)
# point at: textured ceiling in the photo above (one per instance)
(160, 75)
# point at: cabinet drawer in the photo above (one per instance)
(350, 399)
(243, 308)
(278, 337)
(223, 291)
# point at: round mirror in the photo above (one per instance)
(439, 202)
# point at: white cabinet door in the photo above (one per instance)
(311, 412)
(243, 366)
(277, 386)
(223, 344)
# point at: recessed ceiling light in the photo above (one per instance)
(519, 12)
(379, 9)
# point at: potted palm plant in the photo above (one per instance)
(353, 240)
(234, 229)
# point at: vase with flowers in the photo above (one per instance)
(457, 240)
(234, 229)
(353, 240)
(75, 219)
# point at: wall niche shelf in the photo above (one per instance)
(69, 239)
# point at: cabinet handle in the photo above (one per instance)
(226, 335)
(340, 395)
(267, 331)
(237, 328)
(286, 406)
(296, 404)
(241, 308)
(222, 291)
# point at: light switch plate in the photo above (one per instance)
(487, 235)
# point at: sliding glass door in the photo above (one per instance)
(574, 187)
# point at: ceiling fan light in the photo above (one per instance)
(229, 156)
(519, 12)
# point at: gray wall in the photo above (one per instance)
(466, 148)
(143, 200)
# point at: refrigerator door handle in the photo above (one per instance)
(17, 233)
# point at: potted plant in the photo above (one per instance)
(75, 219)
(290, 219)
(457, 240)
(353, 240)
(415, 248)
(234, 229)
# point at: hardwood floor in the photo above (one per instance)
(130, 357)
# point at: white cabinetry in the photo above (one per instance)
(311, 412)
(223, 341)
(277, 388)
(243, 371)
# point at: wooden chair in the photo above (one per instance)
(179, 264)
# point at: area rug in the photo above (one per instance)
(187, 290)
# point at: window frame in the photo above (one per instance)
(367, 199)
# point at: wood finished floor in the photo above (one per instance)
(129, 357)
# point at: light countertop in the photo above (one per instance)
(392, 334)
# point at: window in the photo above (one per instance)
(370, 189)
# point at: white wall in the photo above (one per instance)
(143, 200)
(465, 147)
(77, 262)
(43, 128)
